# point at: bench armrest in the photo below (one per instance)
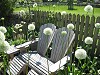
(26, 44)
(62, 62)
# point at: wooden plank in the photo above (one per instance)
(32, 72)
(98, 48)
(73, 19)
(45, 40)
(70, 18)
(60, 44)
(81, 30)
(96, 31)
(86, 26)
(77, 30)
(66, 20)
(62, 62)
(91, 28)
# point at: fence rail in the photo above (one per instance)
(84, 26)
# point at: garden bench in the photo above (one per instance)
(60, 45)
(16, 65)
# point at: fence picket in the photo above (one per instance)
(91, 29)
(86, 26)
(77, 30)
(81, 29)
(95, 37)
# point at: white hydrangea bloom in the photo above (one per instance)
(20, 30)
(49, 0)
(35, 5)
(99, 71)
(4, 46)
(88, 8)
(47, 31)
(3, 29)
(97, 25)
(18, 26)
(80, 54)
(63, 13)
(22, 13)
(31, 26)
(2, 18)
(70, 26)
(88, 40)
(54, 6)
(63, 32)
(2, 36)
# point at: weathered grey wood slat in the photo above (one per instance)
(58, 20)
(44, 40)
(32, 63)
(98, 49)
(60, 44)
(11, 71)
(66, 20)
(77, 30)
(81, 30)
(86, 26)
(96, 31)
(91, 29)
(70, 18)
(32, 72)
(15, 65)
(37, 58)
(74, 19)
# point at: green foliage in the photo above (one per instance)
(18, 42)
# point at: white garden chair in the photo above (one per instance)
(17, 65)
(60, 45)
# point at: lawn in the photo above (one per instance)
(60, 8)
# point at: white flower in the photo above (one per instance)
(97, 25)
(20, 30)
(63, 13)
(49, 0)
(3, 29)
(35, 5)
(99, 71)
(70, 26)
(4, 46)
(2, 18)
(63, 32)
(2, 36)
(22, 13)
(47, 31)
(31, 26)
(80, 54)
(88, 40)
(18, 26)
(54, 6)
(88, 8)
